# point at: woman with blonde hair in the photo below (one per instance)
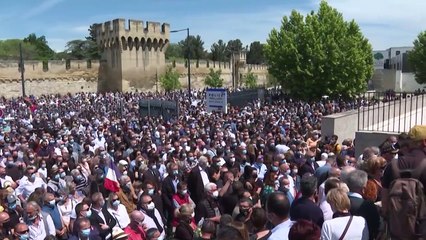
(343, 225)
(186, 227)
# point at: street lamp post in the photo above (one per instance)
(188, 57)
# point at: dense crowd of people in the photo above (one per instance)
(262, 171)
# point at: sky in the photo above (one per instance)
(386, 23)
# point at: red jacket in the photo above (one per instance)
(135, 232)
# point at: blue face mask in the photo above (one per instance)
(274, 168)
(12, 206)
(24, 236)
(244, 152)
(85, 232)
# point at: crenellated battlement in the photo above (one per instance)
(116, 34)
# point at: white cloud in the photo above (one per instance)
(41, 8)
(83, 29)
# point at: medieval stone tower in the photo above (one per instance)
(133, 56)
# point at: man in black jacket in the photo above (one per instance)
(357, 181)
(101, 218)
(169, 189)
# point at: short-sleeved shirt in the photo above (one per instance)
(409, 161)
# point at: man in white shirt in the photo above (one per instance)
(153, 217)
(261, 168)
(278, 209)
(29, 183)
(39, 225)
(118, 211)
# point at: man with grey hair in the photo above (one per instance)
(357, 181)
(197, 179)
(209, 207)
(39, 224)
(127, 194)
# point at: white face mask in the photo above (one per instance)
(288, 171)
(151, 206)
(193, 214)
(215, 194)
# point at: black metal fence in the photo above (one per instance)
(156, 108)
(391, 111)
(242, 98)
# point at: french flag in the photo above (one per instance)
(111, 180)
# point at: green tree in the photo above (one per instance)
(79, 49)
(213, 79)
(255, 54)
(218, 51)
(170, 80)
(250, 80)
(319, 55)
(417, 58)
(233, 46)
(92, 48)
(44, 52)
(174, 51)
(194, 45)
(9, 50)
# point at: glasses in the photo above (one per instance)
(148, 202)
(23, 232)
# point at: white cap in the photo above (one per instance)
(123, 162)
(324, 156)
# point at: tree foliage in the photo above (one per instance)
(9, 50)
(417, 58)
(174, 51)
(194, 45)
(81, 49)
(320, 54)
(44, 52)
(255, 54)
(233, 46)
(213, 79)
(218, 51)
(250, 80)
(170, 80)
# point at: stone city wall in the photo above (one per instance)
(82, 76)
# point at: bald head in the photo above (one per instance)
(334, 172)
(4, 217)
(20, 228)
(137, 216)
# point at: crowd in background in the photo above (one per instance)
(262, 171)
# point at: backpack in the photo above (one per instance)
(407, 203)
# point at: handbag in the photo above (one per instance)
(346, 228)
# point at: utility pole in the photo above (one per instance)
(22, 69)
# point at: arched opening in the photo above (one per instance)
(136, 43)
(155, 44)
(130, 43)
(161, 44)
(123, 43)
(143, 44)
(149, 44)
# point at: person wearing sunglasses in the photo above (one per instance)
(21, 232)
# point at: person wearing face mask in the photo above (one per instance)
(186, 227)
(231, 162)
(82, 210)
(153, 217)
(151, 173)
(245, 208)
(209, 208)
(261, 167)
(81, 180)
(85, 231)
(150, 188)
(21, 232)
(50, 208)
(29, 183)
(310, 164)
(136, 229)
(4, 177)
(55, 182)
(118, 211)
(13, 208)
(180, 198)
(100, 217)
(5, 227)
(40, 224)
(42, 170)
(197, 179)
(127, 194)
(169, 189)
